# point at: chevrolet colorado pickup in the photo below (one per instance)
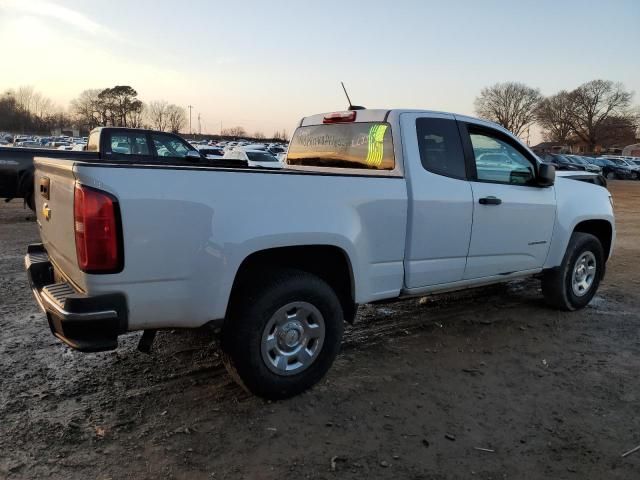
(372, 205)
(105, 144)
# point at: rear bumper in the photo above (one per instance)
(84, 322)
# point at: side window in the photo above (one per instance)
(498, 161)
(169, 146)
(440, 147)
(129, 143)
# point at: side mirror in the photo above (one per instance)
(193, 156)
(546, 175)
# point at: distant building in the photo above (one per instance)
(550, 147)
(631, 150)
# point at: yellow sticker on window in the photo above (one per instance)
(376, 145)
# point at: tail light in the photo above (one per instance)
(340, 117)
(97, 230)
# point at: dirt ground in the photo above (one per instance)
(419, 388)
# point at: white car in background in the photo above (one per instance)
(211, 152)
(254, 158)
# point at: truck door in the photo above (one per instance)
(440, 200)
(513, 218)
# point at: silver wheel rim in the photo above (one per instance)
(584, 274)
(292, 338)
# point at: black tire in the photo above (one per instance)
(611, 176)
(30, 202)
(252, 308)
(557, 284)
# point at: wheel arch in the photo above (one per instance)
(329, 262)
(601, 229)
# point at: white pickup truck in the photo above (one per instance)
(372, 205)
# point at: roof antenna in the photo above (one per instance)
(351, 107)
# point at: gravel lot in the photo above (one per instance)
(418, 388)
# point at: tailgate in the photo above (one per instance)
(54, 191)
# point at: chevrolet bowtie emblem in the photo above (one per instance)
(46, 212)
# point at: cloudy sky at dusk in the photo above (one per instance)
(263, 65)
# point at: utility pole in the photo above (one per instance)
(190, 130)
(199, 125)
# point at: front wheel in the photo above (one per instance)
(611, 176)
(573, 284)
(283, 333)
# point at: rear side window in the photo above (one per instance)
(129, 143)
(440, 147)
(366, 146)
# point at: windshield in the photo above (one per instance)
(261, 157)
(578, 160)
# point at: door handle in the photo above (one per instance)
(490, 201)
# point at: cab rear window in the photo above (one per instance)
(366, 145)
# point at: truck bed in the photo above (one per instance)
(186, 230)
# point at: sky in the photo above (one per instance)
(265, 64)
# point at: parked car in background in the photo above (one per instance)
(104, 144)
(211, 152)
(254, 158)
(611, 170)
(583, 176)
(635, 170)
(561, 162)
(276, 149)
(27, 144)
(584, 163)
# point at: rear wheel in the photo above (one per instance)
(611, 176)
(573, 284)
(283, 333)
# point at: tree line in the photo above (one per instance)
(26, 111)
(597, 113)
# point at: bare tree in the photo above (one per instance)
(258, 135)
(42, 106)
(617, 131)
(176, 118)
(24, 97)
(158, 115)
(234, 132)
(513, 105)
(554, 115)
(88, 111)
(593, 103)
